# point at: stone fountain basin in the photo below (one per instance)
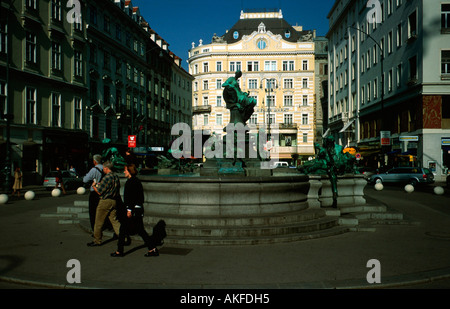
(224, 196)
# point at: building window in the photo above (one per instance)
(362, 95)
(288, 65)
(219, 101)
(305, 137)
(399, 35)
(205, 100)
(270, 100)
(288, 83)
(56, 109)
(31, 55)
(399, 75)
(390, 42)
(305, 65)
(3, 38)
(219, 119)
(219, 66)
(305, 83)
(93, 15)
(3, 97)
(252, 84)
(445, 61)
(305, 100)
(205, 67)
(375, 88)
(445, 16)
(56, 10)
(31, 4)
(262, 44)
(118, 32)
(252, 66)
(413, 68)
(77, 113)
(106, 24)
(253, 119)
(288, 118)
(205, 85)
(270, 65)
(412, 25)
(205, 120)
(235, 66)
(288, 100)
(30, 105)
(78, 63)
(304, 119)
(56, 56)
(270, 119)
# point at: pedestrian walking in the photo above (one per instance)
(109, 191)
(59, 180)
(133, 198)
(95, 173)
(17, 186)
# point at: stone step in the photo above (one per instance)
(81, 203)
(362, 208)
(262, 240)
(233, 221)
(252, 231)
(379, 216)
(71, 210)
(60, 215)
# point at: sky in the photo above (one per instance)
(181, 22)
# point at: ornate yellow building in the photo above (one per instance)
(277, 62)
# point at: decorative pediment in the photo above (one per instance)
(262, 28)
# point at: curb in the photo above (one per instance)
(389, 282)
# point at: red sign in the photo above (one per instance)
(131, 141)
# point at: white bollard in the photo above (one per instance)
(56, 192)
(438, 190)
(409, 188)
(29, 195)
(379, 186)
(81, 191)
(3, 198)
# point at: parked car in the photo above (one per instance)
(281, 164)
(70, 180)
(411, 175)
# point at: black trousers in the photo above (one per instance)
(130, 226)
(94, 198)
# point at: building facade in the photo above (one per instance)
(43, 87)
(389, 77)
(277, 61)
(74, 77)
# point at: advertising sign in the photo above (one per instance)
(131, 141)
(385, 138)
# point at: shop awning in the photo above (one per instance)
(344, 129)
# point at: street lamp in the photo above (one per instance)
(382, 124)
(268, 89)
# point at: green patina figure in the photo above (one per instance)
(241, 106)
(332, 161)
(112, 154)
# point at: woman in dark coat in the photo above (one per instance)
(133, 198)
